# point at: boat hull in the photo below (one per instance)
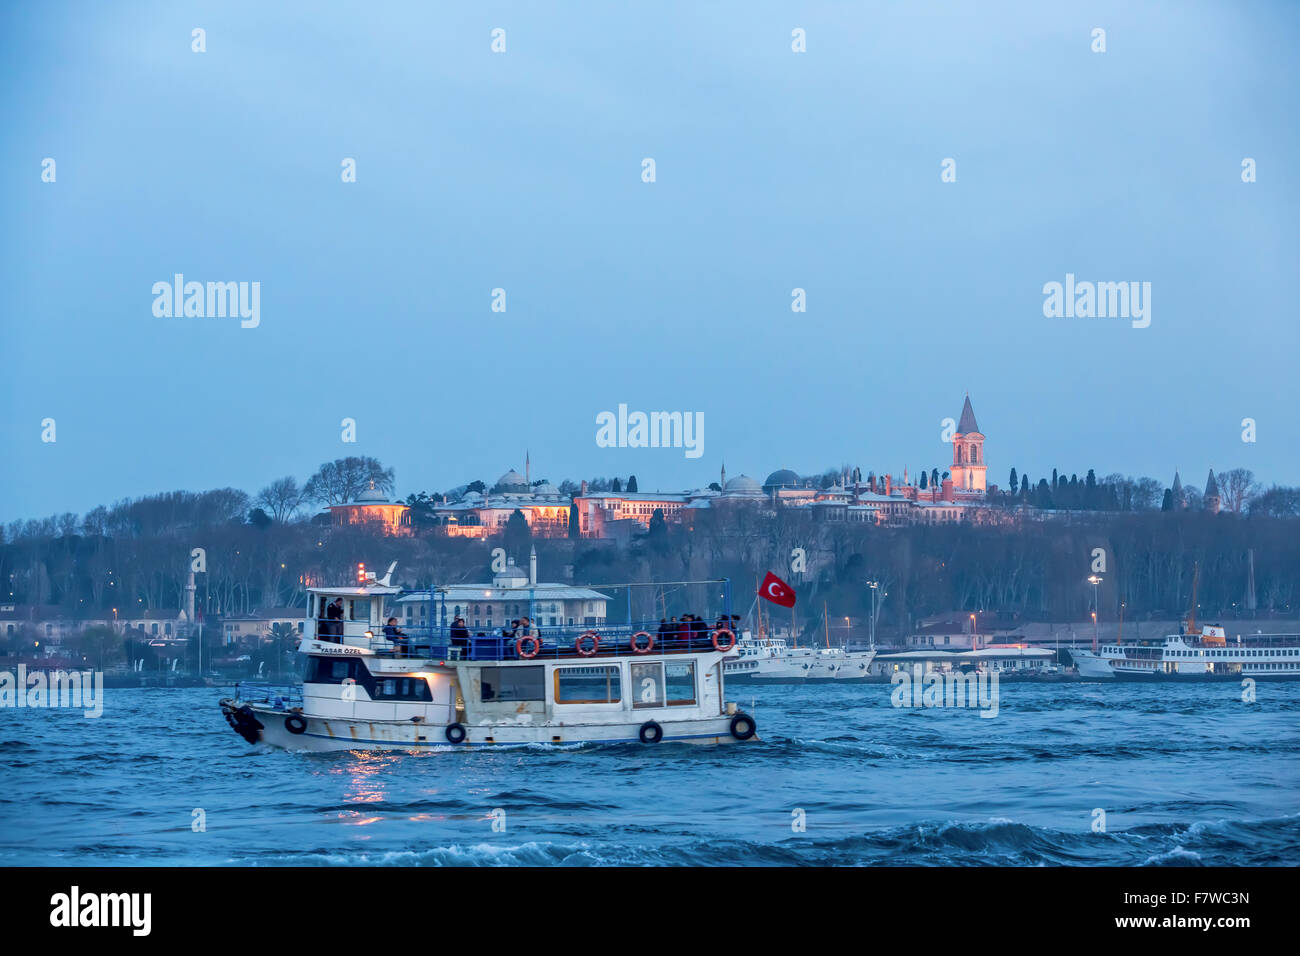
(335, 734)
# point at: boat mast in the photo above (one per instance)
(1191, 614)
(827, 620)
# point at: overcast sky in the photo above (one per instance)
(522, 170)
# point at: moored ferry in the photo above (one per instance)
(772, 659)
(376, 676)
(1205, 655)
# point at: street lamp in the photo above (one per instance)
(1094, 580)
(875, 590)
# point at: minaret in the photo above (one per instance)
(723, 483)
(968, 453)
(532, 565)
(1212, 500)
(528, 470)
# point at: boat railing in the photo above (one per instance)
(278, 696)
(548, 643)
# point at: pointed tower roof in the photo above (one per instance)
(1211, 486)
(1178, 483)
(967, 423)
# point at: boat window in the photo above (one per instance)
(402, 688)
(588, 685)
(359, 609)
(513, 683)
(648, 685)
(325, 670)
(680, 682)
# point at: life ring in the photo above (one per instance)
(651, 733)
(595, 643)
(731, 642)
(455, 733)
(637, 648)
(295, 724)
(534, 642)
(743, 727)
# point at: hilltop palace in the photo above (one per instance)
(958, 495)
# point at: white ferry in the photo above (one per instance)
(772, 659)
(1202, 656)
(371, 684)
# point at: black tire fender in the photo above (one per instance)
(743, 727)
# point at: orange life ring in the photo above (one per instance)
(730, 643)
(536, 646)
(637, 648)
(595, 643)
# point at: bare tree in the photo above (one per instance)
(281, 498)
(342, 480)
(1236, 488)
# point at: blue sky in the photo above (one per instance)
(522, 170)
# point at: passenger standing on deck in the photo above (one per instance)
(335, 623)
(459, 633)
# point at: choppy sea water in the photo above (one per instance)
(1186, 774)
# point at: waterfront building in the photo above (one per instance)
(513, 593)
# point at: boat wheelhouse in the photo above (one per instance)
(372, 682)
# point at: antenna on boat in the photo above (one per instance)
(386, 580)
(1191, 614)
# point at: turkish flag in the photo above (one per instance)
(776, 591)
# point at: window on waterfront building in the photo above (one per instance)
(588, 685)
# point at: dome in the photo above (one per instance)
(512, 482)
(372, 496)
(742, 485)
(785, 478)
(546, 488)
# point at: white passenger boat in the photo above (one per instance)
(413, 687)
(1194, 656)
(772, 659)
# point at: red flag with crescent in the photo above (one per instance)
(776, 591)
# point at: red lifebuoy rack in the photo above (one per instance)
(595, 643)
(731, 640)
(637, 648)
(536, 645)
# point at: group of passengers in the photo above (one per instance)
(691, 628)
(459, 636)
(519, 627)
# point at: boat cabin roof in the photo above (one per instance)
(356, 591)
